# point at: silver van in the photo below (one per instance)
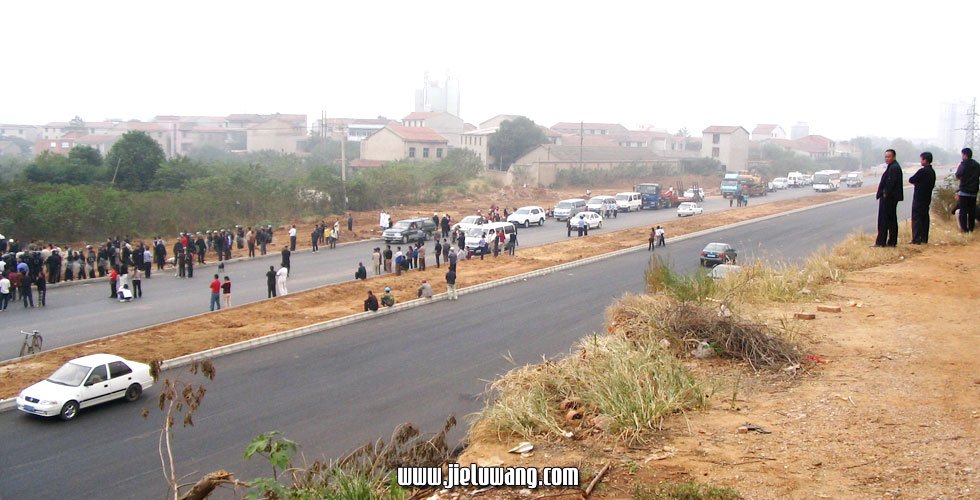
(475, 233)
(566, 209)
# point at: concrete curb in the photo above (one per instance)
(9, 404)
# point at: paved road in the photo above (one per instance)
(84, 311)
(333, 391)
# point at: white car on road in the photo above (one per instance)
(84, 382)
(780, 183)
(689, 208)
(470, 221)
(525, 216)
(593, 219)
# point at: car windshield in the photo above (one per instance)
(598, 200)
(715, 247)
(475, 232)
(686, 206)
(522, 211)
(564, 204)
(821, 178)
(729, 182)
(623, 197)
(470, 219)
(69, 374)
(402, 224)
(648, 188)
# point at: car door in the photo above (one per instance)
(96, 388)
(120, 378)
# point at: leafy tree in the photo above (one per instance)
(176, 173)
(57, 169)
(134, 160)
(86, 155)
(514, 139)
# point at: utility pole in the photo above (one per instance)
(343, 164)
(972, 139)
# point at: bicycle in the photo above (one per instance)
(32, 343)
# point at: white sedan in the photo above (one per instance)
(84, 382)
(689, 208)
(593, 219)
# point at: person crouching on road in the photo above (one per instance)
(371, 302)
(361, 273)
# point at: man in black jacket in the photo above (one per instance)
(888, 196)
(968, 173)
(924, 181)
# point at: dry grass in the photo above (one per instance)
(684, 325)
(616, 385)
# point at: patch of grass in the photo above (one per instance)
(691, 490)
(660, 278)
(649, 320)
(760, 283)
(629, 387)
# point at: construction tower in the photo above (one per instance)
(972, 139)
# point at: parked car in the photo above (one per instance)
(526, 216)
(854, 179)
(689, 208)
(694, 194)
(487, 231)
(721, 270)
(718, 253)
(566, 209)
(470, 221)
(629, 201)
(603, 205)
(780, 183)
(593, 219)
(409, 230)
(84, 382)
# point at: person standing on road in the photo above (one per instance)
(512, 243)
(376, 261)
(653, 239)
(444, 223)
(451, 283)
(968, 173)
(421, 257)
(292, 238)
(137, 282)
(25, 290)
(888, 195)
(315, 239)
(4, 293)
(924, 181)
(147, 261)
(270, 282)
(438, 251)
(189, 261)
(42, 289)
(285, 256)
(387, 258)
(446, 250)
(350, 222)
(398, 261)
(250, 241)
(215, 293)
(661, 236)
(281, 276)
(226, 291)
(581, 225)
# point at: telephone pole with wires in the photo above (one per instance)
(972, 139)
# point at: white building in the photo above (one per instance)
(438, 97)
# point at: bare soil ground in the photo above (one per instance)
(893, 412)
(295, 310)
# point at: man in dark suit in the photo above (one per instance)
(889, 194)
(924, 181)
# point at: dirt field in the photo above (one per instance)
(894, 411)
(304, 308)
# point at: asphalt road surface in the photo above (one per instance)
(331, 392)
(84, 311)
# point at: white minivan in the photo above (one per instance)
(488, 230)
(629, 201)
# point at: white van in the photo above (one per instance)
(566, 209)
(795, 179)
(629, 201)
(475, 233)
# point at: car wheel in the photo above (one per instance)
(527, 223)
(404, 239)
(599, 225)
(69, 411)
(134, 392)
(541, 222)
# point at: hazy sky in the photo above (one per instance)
(847, 68)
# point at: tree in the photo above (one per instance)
(133, 161)
(86, 155)
(176, 173)
(514, 139)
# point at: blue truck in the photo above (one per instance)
(653, 196)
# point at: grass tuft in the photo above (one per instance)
(690, 490)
